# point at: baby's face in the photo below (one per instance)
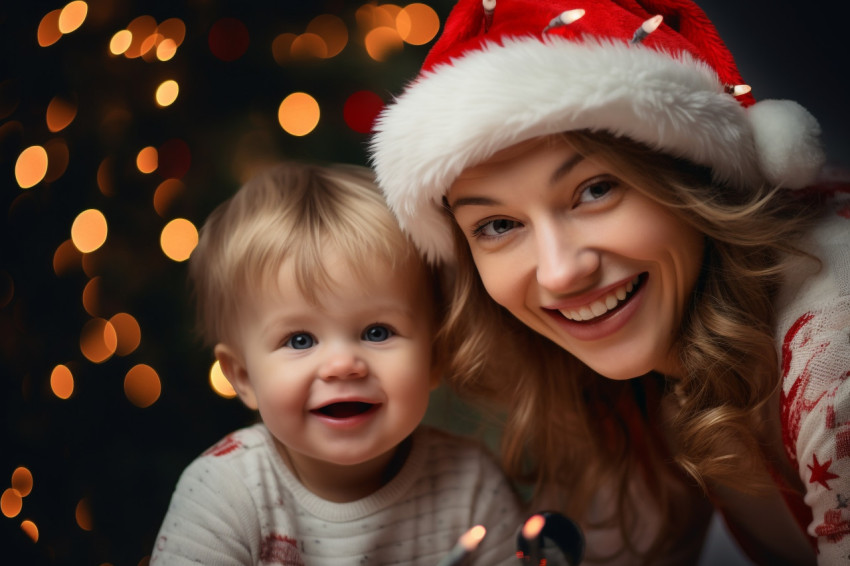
(344, 381)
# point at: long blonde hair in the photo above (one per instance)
(569, 427)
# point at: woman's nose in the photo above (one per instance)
(564, 261)
(342, 362)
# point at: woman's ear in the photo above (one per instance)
(236, 373)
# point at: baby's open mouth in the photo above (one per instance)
(345, 409)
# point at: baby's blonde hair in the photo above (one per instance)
(295, 212)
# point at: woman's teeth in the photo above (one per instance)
(602, 305)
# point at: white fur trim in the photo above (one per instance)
(787, 139)
(462, 112)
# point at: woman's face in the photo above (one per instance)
(580, 256)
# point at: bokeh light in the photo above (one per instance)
(417, 24)
(83, 514)
(166, 49)
(11, 502)
(281, 47)
(89, 230)
(147, 159)
(91, 296)
(72, 16)
(166, 92)
(333, 32)
(173, 29)
(219, 382)
(166, 194)
(60, 113)
(57, 159)
(179, 237)
(120, 42)
(62, 381)
(128, 332)
(382, 41)
(31, 166)
(98, 340)
(30, 529)
(228, 39)
(22, 481)
(142, 386)
(66, 258)
(361, 109)
(48, 28)
(298, 114)
(308, 45)
(140, 28)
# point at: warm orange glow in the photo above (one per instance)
(173, 29)
(281, 47)
(370, 16)
(140, 29)
(417, 24)
(298, 114)
(166, 50)
(219, 383)
(72, 16)
(57, 159)
(147, 159)
(308, 45)
(104, 177)
(128, 331)
(88, 232)
(332, 30)
(60, 113)
(166, 92)
(91, 296)
(381, 42)
(179, 237)
(165, 194)
(83, 514)
(22, 481)
(62, 381)
(120, 42)
(149, 45)
(66, 258)
(142, 386)
(30, 529)
(31, 166)
(11, 502)
(98, 340)
(48, 28)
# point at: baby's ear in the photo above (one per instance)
(236, 373)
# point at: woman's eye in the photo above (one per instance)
(300, 341)
(596, 190)
(495, 228)
(377, 333)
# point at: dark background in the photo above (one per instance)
(97, 447)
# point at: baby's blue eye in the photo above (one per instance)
(300, 341)
(377, 333)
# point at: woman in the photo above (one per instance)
(646, 277)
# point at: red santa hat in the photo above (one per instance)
(505, 71)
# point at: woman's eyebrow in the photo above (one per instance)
(471, 201)
(565, 167)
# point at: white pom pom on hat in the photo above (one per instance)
(495, 78)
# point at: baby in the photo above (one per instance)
(323, 318)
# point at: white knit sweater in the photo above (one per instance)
(238, 503)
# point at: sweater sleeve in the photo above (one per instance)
(210, 520)
(815, 334)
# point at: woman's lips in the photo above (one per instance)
(610, 320)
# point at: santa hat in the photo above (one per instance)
(505, 71)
